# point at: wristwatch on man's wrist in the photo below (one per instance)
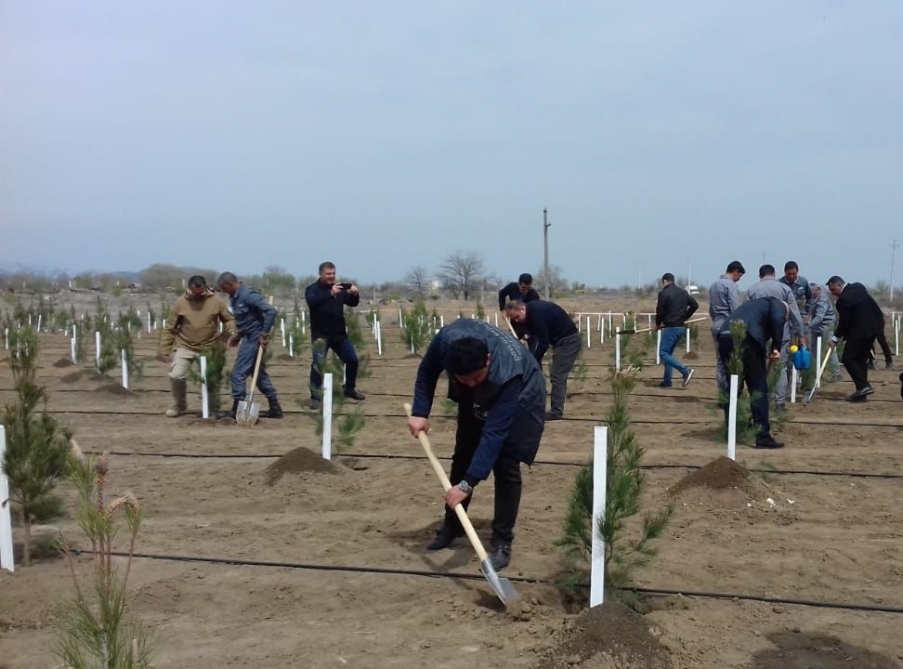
(465, 487)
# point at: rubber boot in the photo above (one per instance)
(275, 411)
(230, 414)
(179, 389)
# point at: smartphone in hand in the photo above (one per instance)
(346, 285)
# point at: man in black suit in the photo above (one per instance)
(860, 319)
(522, 291)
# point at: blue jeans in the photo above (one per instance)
(670, 339)
(342, 348)
(244, 367)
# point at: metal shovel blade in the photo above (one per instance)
(503, 588)
(247, 413)
(810, 395)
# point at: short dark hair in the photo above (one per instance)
(466, 356)
(325, 265)
(736, 266)
(667, 276)
(525, 278)
(766, 270)
(834, 280)
(197, 281)
(791, 264)
(226, 277)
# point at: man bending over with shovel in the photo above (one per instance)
(254, 319)
(501, 396)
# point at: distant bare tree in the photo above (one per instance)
(461, 273)
(417, 280)
(558, 284)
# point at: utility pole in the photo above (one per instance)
(893, 256)
(545, 263)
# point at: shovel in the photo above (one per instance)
(821, 370)
(249, 411)
(503, 588)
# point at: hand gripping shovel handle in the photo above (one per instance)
(821, 370)
(446, 484)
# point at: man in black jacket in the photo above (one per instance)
(326, 300)
(674, 308)
(764, 319)
(501, 397)
(859, 320)
(544, 324)
(522, 291)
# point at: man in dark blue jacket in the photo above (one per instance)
(764, 319)
(501, 398)
(673, 310)
(327, 300)
(544, 324)
(522, 291)
(254, 320)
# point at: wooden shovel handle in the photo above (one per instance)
(256, 368)
(446, 484)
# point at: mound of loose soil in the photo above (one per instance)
(114, 389)
(298, 461)
(610, 636)
(720, 474)
(63, 362)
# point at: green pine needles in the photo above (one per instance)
(625, 550)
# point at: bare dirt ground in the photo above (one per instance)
(826, 538)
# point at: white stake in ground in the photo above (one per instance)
(818, 354)
(97, 348)
(40, 318)
(205, 398)
(6, 524)
(6, 338)
(589, 333)
(794, 379)
(379, 338)
(688, 340)
(658, 347)
(282, 327)
(600, 485)
(897, 337)
(72, 348)
(148, 322)
(291, 345)
(618, 349)
(327, 416)
(732, 417)
(125, 370)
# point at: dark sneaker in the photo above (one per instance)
(354, 395)
(445, 537)
(500, 556)
(313, 403)
(889, 366)
(901, 385)
(553, 416)
(688, 375)
(767, 441)
(861, 394)
(663, 385)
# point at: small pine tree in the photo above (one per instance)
(625, 484)
(36, 444)
(346, 423)
(217, 374)
(417, 331)
(96, 628)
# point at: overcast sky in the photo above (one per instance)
(382, 135)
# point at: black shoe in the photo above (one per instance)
(688, 376)
(663, 385)
(275, 411)
(889, 365)
(767, 441)
(500, 556)
(229, 415)
(553, 416)
(313, 403)
(445, 537)
(354, 395)
(861, 394)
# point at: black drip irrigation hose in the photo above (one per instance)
(549, 463)
(635, 421)
(237, 562)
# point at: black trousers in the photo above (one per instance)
(507, 474)
(856, 351)
(885, 348)
(755, 376)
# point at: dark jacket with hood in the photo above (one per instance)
(511, 401)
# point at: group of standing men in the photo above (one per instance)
(200, 319)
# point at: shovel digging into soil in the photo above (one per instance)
(502, 587)
(811, 394)
(248, 411)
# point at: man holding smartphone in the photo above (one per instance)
(326, 300)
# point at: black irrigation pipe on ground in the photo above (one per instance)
(237, 562)
(549, 463)
(701, 421)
